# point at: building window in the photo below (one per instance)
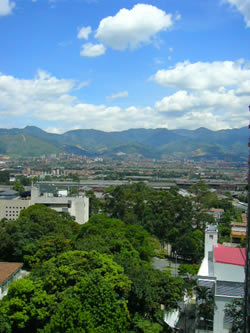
(211, 236)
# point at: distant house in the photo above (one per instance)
(238, 232)
(216, 213)
(222, 271)
(9, 272)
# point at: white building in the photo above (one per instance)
(77, 206)
(222, 270)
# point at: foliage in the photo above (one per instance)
(185, 269)
(130, 246)
(4, 177)
(77, 291)
(112, 235)
(18, 187)
(235, 311)
(206, 305)
(36, 223)
(95, 204)
(164, 214)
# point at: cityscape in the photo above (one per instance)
(124, 166)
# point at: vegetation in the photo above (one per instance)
(235, 312)
(72, 288)
(4, 177)
(98, 277)
(147, 143)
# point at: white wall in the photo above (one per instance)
(11, 208)
(211, 240)
(80, 209)
(220, 326)
(227, 272)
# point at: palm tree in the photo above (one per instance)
(205, 305)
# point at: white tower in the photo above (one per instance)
(211, 240)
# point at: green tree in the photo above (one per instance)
(95, 204)
(4, 177)
(205, 306)
(75, 292)
(22, 237)
(18, 187)
(235, 311)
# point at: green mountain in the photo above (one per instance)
(140, 143)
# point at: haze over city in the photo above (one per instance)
(113, 65)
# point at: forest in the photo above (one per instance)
(98, 277)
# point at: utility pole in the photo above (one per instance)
(247, 270)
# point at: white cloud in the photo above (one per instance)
(217, 102)
(243, 6)
(212, 95)
(6, 7)
(92, 50)
(203, 75)
(84, 32)
(131, 28)
(83, 84)
(121, 94)
(50, 101)
(19, 97)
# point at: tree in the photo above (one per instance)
(23, 236)
(4, 177)
(95, 204)
(190, 246)
(206, 306)
(18, 187)
(75, 292)
(235, 311)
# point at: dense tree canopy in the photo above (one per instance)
(98, 277)
(75, 292)
(27, 234)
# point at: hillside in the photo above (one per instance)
(140, 143)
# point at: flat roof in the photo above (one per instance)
(230, 255)
(7, 269)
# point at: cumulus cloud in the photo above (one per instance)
(92, 50)
(243, 6)
(203, 75)
(19, 97)
(131, 28)
(218, 102)
(212, 95)
(47, 99)
(6, 7)
(50, 101)
(84, 32)
(121, 94)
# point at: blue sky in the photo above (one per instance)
(116, 64)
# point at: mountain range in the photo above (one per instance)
(230, 144)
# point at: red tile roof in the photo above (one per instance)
(7, 269)
(230, 255)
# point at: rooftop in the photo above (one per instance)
(230, 255)
(7, 269)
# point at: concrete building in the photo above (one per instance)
(222, 270)
(9, 272)
(77, 206)
(11, 208)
